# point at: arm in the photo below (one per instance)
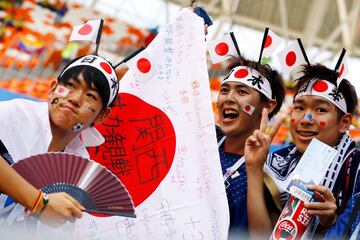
(61, 206)
(256, 151)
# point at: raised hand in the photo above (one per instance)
(324, 210)
(61, 208)
(257, 145)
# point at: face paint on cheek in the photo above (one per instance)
(77, 127)
(89, 107)
(247, 108)
(55, 100)
(322, 123)
(292, 120)
(62, 91)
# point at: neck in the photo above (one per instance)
(60, 139)
(235, 144)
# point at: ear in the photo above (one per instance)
(103, 115)
(345, 122)
(53, 85)
(271, 104)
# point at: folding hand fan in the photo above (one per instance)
(92, 185)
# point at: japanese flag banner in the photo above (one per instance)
(86, 32)
(272, 43)
(291, 57)
(222, 49)
(142, 66)
(161, 143)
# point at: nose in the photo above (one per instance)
(75, 97)
(230, 97)
(308, 118)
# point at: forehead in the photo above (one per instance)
(313, 100)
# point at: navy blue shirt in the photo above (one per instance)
(236, 191)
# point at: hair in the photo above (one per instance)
(274, 77)
(93, 78)
(319, 71)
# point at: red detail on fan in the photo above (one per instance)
(341, 70)
(241, 73)
(143, 65)
(322, 124)
(222, 49)
(268, 41)
(106, 67)
(320, 86)
(290, 58)
(85, 30)
(140, 146)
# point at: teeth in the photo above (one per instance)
(230, 111)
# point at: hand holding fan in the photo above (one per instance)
(91, 184)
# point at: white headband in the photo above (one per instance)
(105, 68)
(251, 78)
(325, 89)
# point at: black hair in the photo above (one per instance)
(93, 78)
(319, 71)
(274, 77)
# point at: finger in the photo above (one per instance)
(262, 138)
(71, 219)
(320, 206)
(264, 120)
(327, 194)
(321, 213)
(275, 127)
(74, 201)
(252, 141)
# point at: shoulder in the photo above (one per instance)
(219, 133)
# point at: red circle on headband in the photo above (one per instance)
(241, 73)
(320, 86)
(106, 67)
(143, 65)
(222, 49)
(290, 58)
(85, 30)
(268, 41)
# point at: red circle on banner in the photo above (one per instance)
(143, 65)
(221, 49)
(241, 73)
(290, 58)
(139, 146)
(320, 86)
(341, 70)
(268, 41)
(107, 68)
(85, 30)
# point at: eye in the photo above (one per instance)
(321, 110)
(91, 95)
(224, 90)
(298, 108)
(70, 84)
(242, 92)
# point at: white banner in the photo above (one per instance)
(190, 201)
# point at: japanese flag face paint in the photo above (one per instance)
(247, 108)
(61, 90)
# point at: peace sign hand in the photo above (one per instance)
(257, 145)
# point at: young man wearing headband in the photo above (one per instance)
(248, 88)
(80, 98)
(320, 110)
